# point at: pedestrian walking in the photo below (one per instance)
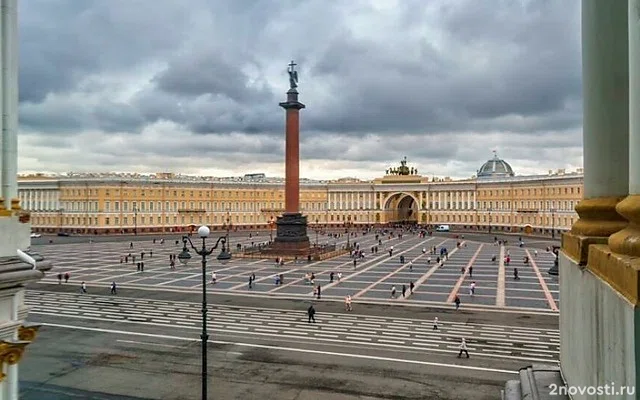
(471, 271)
(347, 303)
(83, 287)
(142, 255)
(457, 301)
(393, 292)
(435, 324)
(463, 348)
(331, 277)
(151, 253)
(410, 265)
(214, 278)
(411, 286)
(59, 278)
(319, 292)
(141, 266)
(515, 274)
(113, 288)
(250, 282)
(66, 277)
(137, 266)
(339, 276)
(404, 290)
(131, 245)
(311, 312)
(355, 262)
(428, 260)
(472, 288)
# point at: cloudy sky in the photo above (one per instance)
(193, 86)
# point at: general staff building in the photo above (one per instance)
(494, 200)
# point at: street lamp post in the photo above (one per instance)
(347, 223)
(553, 226)
(271, 229)
(489, 209)
(135, 220)
(223, 257)
(228, 228)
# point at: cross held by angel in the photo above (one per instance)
(293, 75)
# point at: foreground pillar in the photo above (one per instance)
(598, 312)
(605, 77)
(627, 241)
(9, 103)
(291, 237)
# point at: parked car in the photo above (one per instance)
(63, 234)
(35, 235)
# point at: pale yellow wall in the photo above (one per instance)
(163, 204)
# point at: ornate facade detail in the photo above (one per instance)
(28, 333)
(10, 353)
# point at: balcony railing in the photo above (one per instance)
(192, 210)
(528, 210)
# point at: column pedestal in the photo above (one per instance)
(598, 219)
(291, 238)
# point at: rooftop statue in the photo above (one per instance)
(293, 75)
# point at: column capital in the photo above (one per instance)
(28, 333)
(10, 353)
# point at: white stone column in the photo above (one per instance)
(9, 75)
(605, 74)
(634, 97)
(627, 241)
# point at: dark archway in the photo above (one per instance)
(406, 212)
(401, 208)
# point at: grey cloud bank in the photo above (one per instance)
(194, 87)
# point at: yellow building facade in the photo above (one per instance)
(495, 200)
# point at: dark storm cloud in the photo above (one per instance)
(64, 41)
(420, 78)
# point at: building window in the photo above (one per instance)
(106, 221)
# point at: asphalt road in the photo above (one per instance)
(146, 346)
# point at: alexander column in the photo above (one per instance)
(291, 235)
